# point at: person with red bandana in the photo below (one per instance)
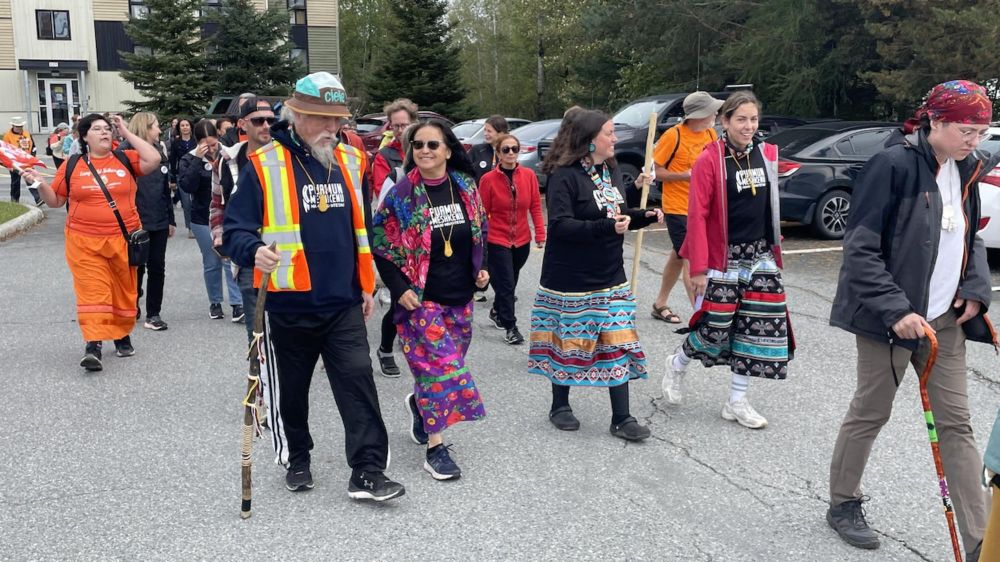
(912, 263)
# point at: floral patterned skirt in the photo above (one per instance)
(435, 340)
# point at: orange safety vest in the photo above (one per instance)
(281, 226)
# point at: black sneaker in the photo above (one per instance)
(92, 356)
(630, 430)
(387, 364)
(563, 419)
(123, 347)
(155, 323)
(238, 314)
(495, 318)
(848, 519)
(215, 311)
(299, 479)
(513, 337)
(373, 486)
(440, 465)
(417, 432)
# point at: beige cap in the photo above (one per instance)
(700, 105)
(17, 121)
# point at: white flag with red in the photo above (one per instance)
(13, 158)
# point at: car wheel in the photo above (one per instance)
(629, 173)
(831, 214)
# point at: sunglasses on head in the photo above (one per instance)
(432, 145)
(258, 121)
(509, 149)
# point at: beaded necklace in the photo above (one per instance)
(608, 193)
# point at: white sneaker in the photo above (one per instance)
(741, 411)
(672, 392)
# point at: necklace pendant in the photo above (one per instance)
(447, 249)
(323, 204)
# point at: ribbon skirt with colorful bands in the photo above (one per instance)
(743, 320)
(586, 339)
(435, 340)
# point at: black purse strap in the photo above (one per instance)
(107, 195)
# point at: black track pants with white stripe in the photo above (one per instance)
(293, 344)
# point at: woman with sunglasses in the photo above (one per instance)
(510, 194)
(429, 241)
(583, 321)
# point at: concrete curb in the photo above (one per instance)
(22, 223)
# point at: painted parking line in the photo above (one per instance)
(811, 251)
(995, 289)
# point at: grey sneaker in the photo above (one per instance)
(155, 323)
(215, 311)
(742, 412)
(672, 383)
(848, 519)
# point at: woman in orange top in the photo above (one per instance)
(96, 250)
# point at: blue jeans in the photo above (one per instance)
(213, 267)
(185, 198)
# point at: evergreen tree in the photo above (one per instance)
(419, 59)
(250, 50)
(171, 71)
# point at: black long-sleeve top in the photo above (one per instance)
(583, 252)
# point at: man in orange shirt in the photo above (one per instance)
(674, 156)
(17, 136)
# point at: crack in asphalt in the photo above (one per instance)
(817, 294)
(904, 544)
(992, 384)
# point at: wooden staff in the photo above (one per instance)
(642, 201)
(250, 400)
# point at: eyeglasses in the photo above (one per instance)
(431, 145)
(398, 126)
(509, 149)
(973, 134)
(258, 121)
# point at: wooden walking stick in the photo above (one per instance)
(250, 400)
(645, 195)
(949, 512)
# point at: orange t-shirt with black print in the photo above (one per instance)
(89, 212)
(677, 150)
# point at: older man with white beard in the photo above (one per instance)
(304, 193)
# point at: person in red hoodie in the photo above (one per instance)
(733, 245)
(510, 193)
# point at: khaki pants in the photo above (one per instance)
(948, 392)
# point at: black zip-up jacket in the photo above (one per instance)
(194, 178)
(483, 159)
(152, 198)
(892, 237)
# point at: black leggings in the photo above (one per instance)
(388, 332)
(619, 400)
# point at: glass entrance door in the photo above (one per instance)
(59, 101)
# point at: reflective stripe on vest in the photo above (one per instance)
(352, 165)
(281, 219)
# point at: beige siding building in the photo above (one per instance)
(60, 58)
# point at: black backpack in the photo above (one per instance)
(71, 164)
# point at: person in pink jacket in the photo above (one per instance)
(510, 193)
(733, 246)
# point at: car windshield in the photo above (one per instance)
(636, 115)
(467, 129)
(794, 140)
(533, 132)
(368, 125)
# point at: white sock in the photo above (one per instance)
(680, 361)
(738, 387)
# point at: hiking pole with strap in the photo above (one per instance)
(949, 512)
(250, 421)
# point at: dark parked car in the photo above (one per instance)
(529, 137)
(817, 165)
(371, 127)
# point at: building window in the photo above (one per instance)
(138, 9)
(209, 6)
(53, 24)
(297, 12)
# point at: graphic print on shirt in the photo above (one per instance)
(447, 215)
(743, 178)
(323, 196)
(599, 199)
(112, 178)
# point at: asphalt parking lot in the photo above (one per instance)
(141, 461)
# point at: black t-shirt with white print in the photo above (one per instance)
(449, 279)
(747, 211)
